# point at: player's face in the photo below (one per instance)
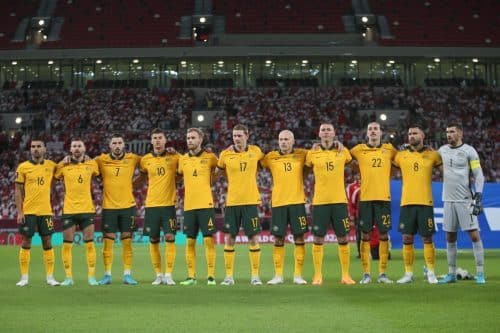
(193, 140)
(37, 150)
(158, 141)
(77, 149)
(373, 132)
(454, 136)
(326, 132)
(117, 145)
(415, 136)
(286, 141)
(240, 139)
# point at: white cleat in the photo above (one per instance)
(431, 277)
(382, 278)
(157, 281)
(228, 281)
(407, 278)
(299, 280)
(255, 281)
(366, 279)
(52, 282)
(168, 280)
(22, 283)
(276, 280)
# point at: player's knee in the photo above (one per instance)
(279, 241)
(169, 237)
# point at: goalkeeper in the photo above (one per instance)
(461, 204)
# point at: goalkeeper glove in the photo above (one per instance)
(477, 205)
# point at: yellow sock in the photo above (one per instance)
(429, 256)
(48, 259)
(191, 257)
(210, 255)
(107, 255)
(67, 258)
(299, 253)
(24, 260)
(254, 255)
(383, 253)
(154, 253)
(170, 252)
(365, 256)
(127, 254)
(91, 257)
(317, 253)
(408, 257)
(279, 259)
(345, 259)
(229, 259)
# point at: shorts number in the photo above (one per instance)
(386, 220)
(255, 222)
(302, 221)
(173, 223)
(210, 224)
(50, 223)
(347, 223)
(430, 223)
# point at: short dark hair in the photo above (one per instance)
(456, 125)
(419, 126)
(158, 131)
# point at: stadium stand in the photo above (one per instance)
(266, 111)
(115, 23)
(300, 16)
(441, 23)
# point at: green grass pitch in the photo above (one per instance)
(332, 307)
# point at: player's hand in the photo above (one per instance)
(86, 158)
(477, 205)
(230, 148)
(315, 146)
(66, 160)
(20, 218)
(339, 145)
(171, 150)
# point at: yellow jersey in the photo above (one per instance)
(375, 168)
(416, 171)
(241, 170)
(197, 171)
(37, 181)
(328, 168)
(78, 184)
(117, 176)
(287, 171)
(161, 171)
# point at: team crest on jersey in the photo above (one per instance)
(203, 162)
(251, 155)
